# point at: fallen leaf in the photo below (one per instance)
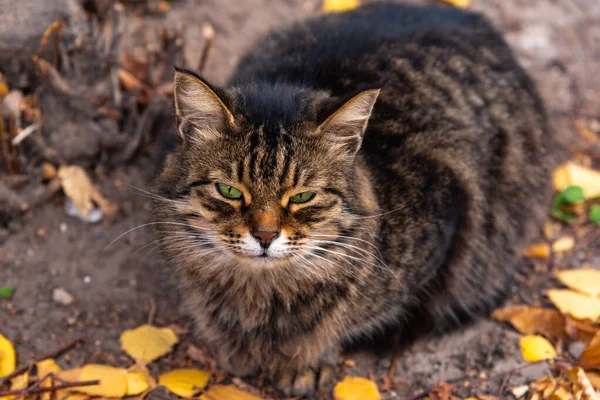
(582, 330)
(147, 343)
(582, 384)
(571, 174)
(184, 382)
(536, 348)
(6, 292)
(561, 394)
(563, 244)
(51, 29)
(78, 187)
(356, 388)
(539, 250)
(45, 368)
(583, 280)
(139, 380)
(113, 381)
(594, 378)
(531, 320)
(519, 391)
(227, 392)
(591, 354)
(19, 382)
(339, 5)
(575, 304)
(458, 3)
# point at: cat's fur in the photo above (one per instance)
(424, 221)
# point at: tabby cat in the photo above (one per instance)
(359, 170)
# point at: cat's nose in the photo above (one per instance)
(265, 237)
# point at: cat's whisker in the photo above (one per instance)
(352, 271)
(351, 247)
(349, 237)
(377, 215)
(144, 193)
(150, 224)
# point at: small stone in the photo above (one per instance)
(87, 279)
(63, 227)
(61, 296)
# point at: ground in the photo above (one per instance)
(557, 41)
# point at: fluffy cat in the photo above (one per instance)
(359, 170)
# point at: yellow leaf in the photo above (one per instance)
(69, 375)
(45, 368)
(147, 343)
(458, 3)
(139, 380)
(227, 392)
(540, 250)
(356, 388)
(184, 382)
(78, 187)
(583, 280)
(113, 381)
(536, 348)
(339, 5)
(17, 383)
(575, 304)
(570, 174)
(8, 358)
(563, 244)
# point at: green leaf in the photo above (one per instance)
(573, 194)
(595, 214)
(6, 291)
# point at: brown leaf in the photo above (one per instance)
(591, 354)
(582, 330)
(56, 26)
(442, 391)
(78, 186)
(533, 320)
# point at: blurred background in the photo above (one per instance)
(86, 107)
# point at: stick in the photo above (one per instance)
(25, 132)
(53, 354)
(209, 34)
(50, 389)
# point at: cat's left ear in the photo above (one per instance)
(346, 126)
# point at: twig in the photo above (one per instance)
(54, 354)
(152, 312)
(209, 34)
(50, 389)
(24, 133)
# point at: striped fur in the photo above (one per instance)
(419, 214)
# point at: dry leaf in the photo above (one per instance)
(571, 174)
(582, 330)
(594, 378)
(575, 304)
(536, 348)
(540, 250)
(356, 388)
(458, 3)
(581, 384)
(19, 382)
(339, 5)
(184, 382)
(139, 380)
(147, 343)
(563, 244)
(44, 368)
(583, 280)
(227, 392)
(52, 28)
(8, 358)
(591, 354)
(113, 381)
(531, 320)
(78, 187)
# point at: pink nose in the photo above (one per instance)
(265, 237)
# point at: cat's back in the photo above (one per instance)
(322, 51)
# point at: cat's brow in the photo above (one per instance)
(199, 183)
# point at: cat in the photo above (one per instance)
(359, 170)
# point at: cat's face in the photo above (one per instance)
(263, 190)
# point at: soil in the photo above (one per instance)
(116, 288)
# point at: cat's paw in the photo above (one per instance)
(237, 364)
(304, 382)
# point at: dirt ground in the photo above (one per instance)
(558, 41)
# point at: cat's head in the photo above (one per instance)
(263, 173)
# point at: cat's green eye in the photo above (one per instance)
(303, 197)
(229, 192)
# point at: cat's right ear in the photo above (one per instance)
(199, 109)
